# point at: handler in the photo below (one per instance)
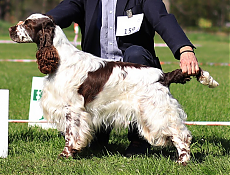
(123, 30)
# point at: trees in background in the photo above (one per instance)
(207, 13)
(14, 10)
(197, 12)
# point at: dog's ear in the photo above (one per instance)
(47, 59)
(46, 34)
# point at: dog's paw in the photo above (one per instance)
(181, 163)
(183, 158)
(64, 155)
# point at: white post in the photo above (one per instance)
(4, 113)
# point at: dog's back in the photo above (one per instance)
(83, 91)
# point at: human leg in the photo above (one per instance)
(139, 55)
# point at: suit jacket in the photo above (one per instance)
(156, 19)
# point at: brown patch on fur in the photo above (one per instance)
(126, 64)
(68, 117)
(183, 150)
(77, 122)
(47, 59)
(181, 156)
(47, 55)
(42, 33)
(96, 80)
(67, 130)
(64, 154)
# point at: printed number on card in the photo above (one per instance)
(128, 26)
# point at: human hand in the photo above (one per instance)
(188, 61)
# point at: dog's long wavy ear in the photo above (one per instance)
(46, 34)
(47, 55)
(47, 59)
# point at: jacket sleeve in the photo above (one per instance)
(165, 25)
(66, 12)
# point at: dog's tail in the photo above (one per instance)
(177, 76)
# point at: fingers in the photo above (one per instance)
(184, 68)
(197, 69)
(190, 69)
(189, 64)
(194, 68)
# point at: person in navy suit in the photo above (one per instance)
(124, 30)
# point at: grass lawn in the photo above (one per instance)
(35, 151)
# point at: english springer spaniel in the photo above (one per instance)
(82, 92)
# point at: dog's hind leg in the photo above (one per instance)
(183, 148)
(77, 133)
(159, 131)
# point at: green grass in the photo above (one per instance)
(35, 151)
(4, 34)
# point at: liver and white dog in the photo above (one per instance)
(82, 92)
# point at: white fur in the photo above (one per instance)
(23, 35)
(37, 16)
(138, 97)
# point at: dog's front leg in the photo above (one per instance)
(78, 133)
(183, 148)
(69, 137)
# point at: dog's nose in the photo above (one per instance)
(12, 29)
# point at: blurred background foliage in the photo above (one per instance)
(210, 15)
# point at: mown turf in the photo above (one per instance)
(35, 151)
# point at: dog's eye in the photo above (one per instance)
(27, 24)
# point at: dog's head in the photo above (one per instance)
(36, 28)
(39, 29)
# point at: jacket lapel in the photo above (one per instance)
(120, 8)
(92, 33)
(91, 6)
(91, 41)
